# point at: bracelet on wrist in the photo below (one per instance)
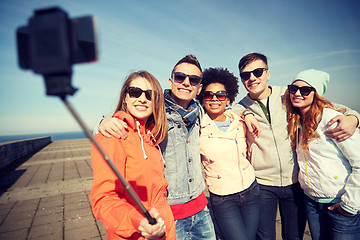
(247, 113)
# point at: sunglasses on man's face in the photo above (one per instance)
(135, 92)
(304, 91)
(180, 77)
(220, 95)
(258, 72)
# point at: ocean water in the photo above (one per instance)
(54, 136)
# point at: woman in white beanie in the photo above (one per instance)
(329, 170)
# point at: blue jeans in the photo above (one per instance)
(292, 212)
(197, 226)
(237, 215)
(330, 224)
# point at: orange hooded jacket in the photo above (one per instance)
(140, 162)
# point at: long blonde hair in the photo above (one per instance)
(309, 122)
(158, 117)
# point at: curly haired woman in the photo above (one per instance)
(234, 192)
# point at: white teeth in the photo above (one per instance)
(184, 90)
(214, 105)
(140, 108)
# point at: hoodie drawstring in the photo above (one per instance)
(142, 140)
(157, 146)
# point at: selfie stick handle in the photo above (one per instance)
(123, 181)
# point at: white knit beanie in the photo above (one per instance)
(315, 78)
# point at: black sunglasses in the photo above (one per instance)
(305, 91)
(136, 92)
(220, 95)
(258, 72)
(180, 77)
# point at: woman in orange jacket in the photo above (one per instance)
(138, 158)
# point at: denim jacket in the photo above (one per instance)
(181, 152)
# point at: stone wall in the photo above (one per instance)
(10, 152)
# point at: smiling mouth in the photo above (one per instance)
(214, 105)
(297, 99)
(141, 107)
(184, 90)
(253, 85)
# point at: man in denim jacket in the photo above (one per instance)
(181, 151)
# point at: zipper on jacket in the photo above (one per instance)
(272, 130)
(297, 145)
(307, 175)
(238, 154)
(277, 151)
(209, 162)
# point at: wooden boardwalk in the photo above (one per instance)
(47, 196)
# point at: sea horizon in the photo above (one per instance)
(54, 136)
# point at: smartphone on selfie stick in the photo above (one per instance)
(49, 45)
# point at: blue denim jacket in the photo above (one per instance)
(181, 151)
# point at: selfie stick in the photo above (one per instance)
(49, 45)
(123, 181)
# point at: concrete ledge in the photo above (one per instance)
(11, 152)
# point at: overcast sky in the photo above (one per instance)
(154, 35)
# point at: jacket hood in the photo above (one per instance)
(137, 126)
(126, 117)
(131, 121)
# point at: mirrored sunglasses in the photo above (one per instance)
(180, 77)
(220, 95)
(304, 91)
(136, 92)
(258, 72)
